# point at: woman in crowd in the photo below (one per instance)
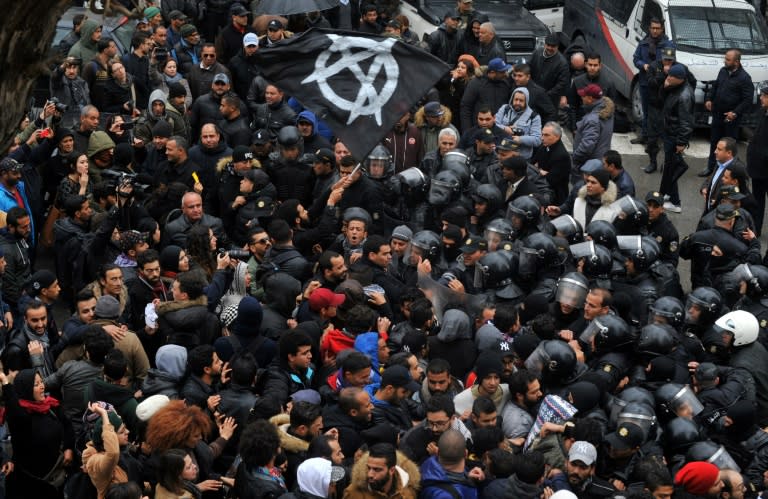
(174, 476)
(76, 183)
(120, 91)
(465, 70)
(42, 438)
(201, 247)
(163, 74)
(173, 260)
(101, 457)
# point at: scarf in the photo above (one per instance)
(272, 474)
(652, 42)
(172, 79)
(496, 397)
(41, 407)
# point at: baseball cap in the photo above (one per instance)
(10, 165)
(177, 14)
(472, 244)
(188, 30)
(308, 395)
(250, 39)
(732, 192)
(324, 297)
(627, 436)
(433, 109)
(452, 14)
(498, 65)
(143, 20)
(260, 137)
(656, 197)
(668, 53)
(222, 77)
(552, 39)
(275, 24)
(326, 156)
(507, 145)
(584, 452)
(397, 376)
(241, 153)
(724, 211)
(677, 71)
(485, 135)
(592, 90)
(130, 238)
(591, 166)
(392, 23)
(237, 9)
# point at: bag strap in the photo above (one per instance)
(447, 487)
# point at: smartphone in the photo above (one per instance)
(126, 125)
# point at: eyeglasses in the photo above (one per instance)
(260, 241)
(209, 55)
(436, 425)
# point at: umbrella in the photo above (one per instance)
(288, 7)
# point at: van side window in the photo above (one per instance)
(618, 10)
(543, 4)
(652, 10)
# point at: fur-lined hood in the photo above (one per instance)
(608, 108)
(167, 307)
(608, 197)
(420, 120)
(95, 288)
(408, 475)
(288, 442)
(223, 162)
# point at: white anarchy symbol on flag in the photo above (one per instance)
(368, 101)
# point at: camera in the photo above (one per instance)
(60, 106)
(236, 254)
(517, 132)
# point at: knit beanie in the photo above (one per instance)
(585, 396)
(176, 89)
(249, 316)
(488, 363)
(98, 427)
(162, 129)
(602, 176)
(697, 477)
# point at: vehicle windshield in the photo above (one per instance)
(717, 30)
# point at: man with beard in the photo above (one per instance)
(396, 385)
(179, 168)
(30, 346)
(580, 469)
(550, 69)
(332, 270)
(205, 369)
(372, 267)
(700, 478)
(18, 265)
(243, 66)
(382, 473)
(420, 442)
(13, 192)
(592, 75)
(210, 150)
(349, 417)
(207, 107)
(525, 395)
(405, 144)
(274, 113)
(296, 430)
(146, 287)
(438, 381)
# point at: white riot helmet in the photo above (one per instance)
(742, 325)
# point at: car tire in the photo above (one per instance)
(635, 104)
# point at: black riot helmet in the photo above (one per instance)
(602, 232)
(496, 231)
(670, 308)
(538, 252)
(680, 434)
(597, 259)
(379, 163)
(631, 215)
(712, 453)
(494, 271)
(708, 301)
(610, 332)
(443, 188)
(566, 226)
(676, 400)
(489, 194)
(644, 251)
(657, 339)
(457, 162)
(428, 244)
(554, 359)
(626, 396)
(756, 277)
(289, 136)
(527, 209)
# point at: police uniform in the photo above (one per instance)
(664, 232)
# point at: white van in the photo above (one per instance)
(703, 30)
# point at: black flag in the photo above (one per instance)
(359, 84)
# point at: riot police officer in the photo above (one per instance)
(661, 228)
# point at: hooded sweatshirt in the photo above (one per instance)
(85, 48)
(98, 141)
(527, 120)
(314, 141)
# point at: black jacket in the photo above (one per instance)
(251, 485)
(678, 114)
(552, 73)
(757, 150)
(731, 91)
(18, 265)
(483, 92)
(244, 69)
(196, 392)
(187, 323)
(349, 430)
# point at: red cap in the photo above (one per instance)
(592, 90)
(324, 297)
(697, 477)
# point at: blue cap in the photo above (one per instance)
(591, 166)
(678, 71)
(498, 65)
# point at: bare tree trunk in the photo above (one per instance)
(25, 38)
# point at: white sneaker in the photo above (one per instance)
(674, 208)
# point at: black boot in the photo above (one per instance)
(642, 139)
(651, 166)
(706, 172)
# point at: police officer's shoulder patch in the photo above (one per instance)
(673, 246)
(763, 323)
